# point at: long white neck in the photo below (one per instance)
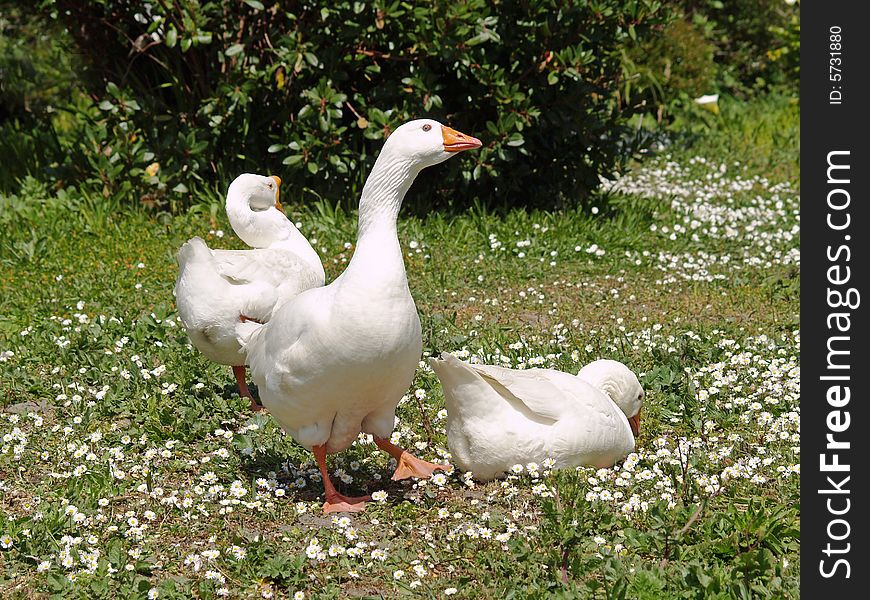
(269, 229)
(258, 229)
(384, 191)
(378, 255)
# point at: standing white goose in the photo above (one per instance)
(215, 288)
(335, 360)
(498, 417)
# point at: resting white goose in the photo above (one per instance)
(215, 288)
(334, 361)
(498, 417)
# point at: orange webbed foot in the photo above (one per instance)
(408, 465)
(411, 466)
(338, 503)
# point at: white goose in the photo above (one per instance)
(335, 360)
(499, 417)
(215, 288)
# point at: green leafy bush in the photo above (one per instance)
(745, 32)
(190, 94)
(787, 50)
(671, 69)
(35, 79)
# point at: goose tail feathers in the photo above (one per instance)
(246, 332)
(194, 250)
(459, 380)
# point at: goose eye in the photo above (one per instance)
(427, 127)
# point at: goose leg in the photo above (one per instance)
(239, 372)
(408, 465)
(335, 502)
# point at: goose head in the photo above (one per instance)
(255, 211)
(620, 384)
(426, 142)
(412, 147)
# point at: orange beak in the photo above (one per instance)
(455, 141)
(278, 193)
(634, 423)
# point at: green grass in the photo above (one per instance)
(709, 504)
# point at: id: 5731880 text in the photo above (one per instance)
(835, 64)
